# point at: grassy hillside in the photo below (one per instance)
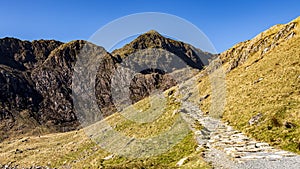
(262, 80)
(266, 81)
(76, 150)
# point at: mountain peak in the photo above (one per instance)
(153, 40)
(151, 34)
(152, 31)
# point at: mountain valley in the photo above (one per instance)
(259, 123)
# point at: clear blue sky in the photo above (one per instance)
(225, 22)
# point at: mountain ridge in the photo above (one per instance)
(45, 67)
(192, 56)
(262, 43)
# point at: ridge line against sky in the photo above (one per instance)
(224, 22)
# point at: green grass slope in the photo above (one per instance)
(76, 150)
(263, 77)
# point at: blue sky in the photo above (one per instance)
(225, 22)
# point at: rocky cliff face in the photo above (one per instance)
(25, 55)
(166, 55)
(53, 80)
(36, 79)
(19, 100)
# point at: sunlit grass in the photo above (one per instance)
(270, 86)
(76, 150)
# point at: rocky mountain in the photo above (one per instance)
(36, 79)
(192, 56)
(19, 98)
(25, 55)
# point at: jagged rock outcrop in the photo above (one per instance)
(143, 84)
(25, 55)
(53, 80)
(19, 101)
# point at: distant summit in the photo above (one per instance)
(192, 56)
(152, 31)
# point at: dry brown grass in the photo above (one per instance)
(268, 84)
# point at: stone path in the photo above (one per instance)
(229, 148)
